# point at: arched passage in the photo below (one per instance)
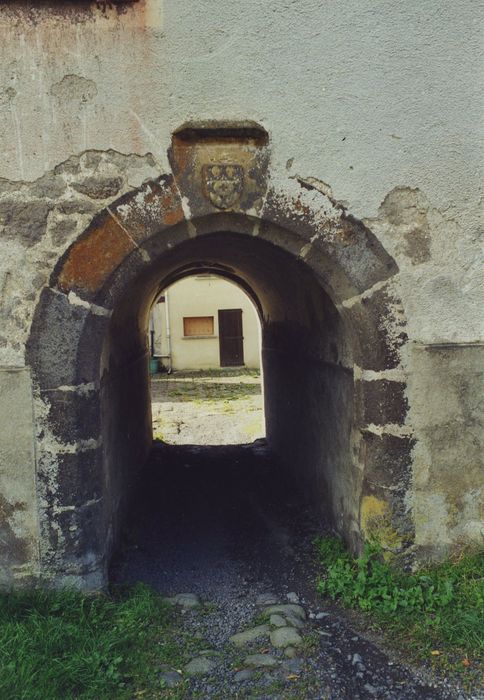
(330, 343)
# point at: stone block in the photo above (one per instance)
(73, 415)
(93, 257)
(154, 207)
(25, 221)
(221, 166)
(166, 240)
(71, 479)
(379, 331)
(50, 185)
(61, 231)
(76, 206)
(387, 459)
(75, 536)
(381, 402)
(99, 187)
(355, 254)
(65, 342)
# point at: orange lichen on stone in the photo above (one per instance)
(95, 256)
(149, 211)
(172, 211)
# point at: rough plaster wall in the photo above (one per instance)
(38, 222)
(18, 521)
(377, 100)
(449, 482)
(368, 97)
(395, 82)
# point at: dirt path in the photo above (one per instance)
(218, 407)
(222, 524)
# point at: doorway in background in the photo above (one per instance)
(231, 337)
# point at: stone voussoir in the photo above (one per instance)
(94, 257)
(157, 205)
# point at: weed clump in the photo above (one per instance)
(437, 612)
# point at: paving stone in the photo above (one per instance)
(370, 688)
(245, 675)
(294, 621)
(277, 621)
(266, 599)
(293, 597)
(285, 637)
(171, 678)
(289, 608)
(250, 635)
(260, 661)
(199, 666)
(185, 600)
(290, 652)
(292, 665)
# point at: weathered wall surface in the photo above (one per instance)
(376, 101)
(19, 536)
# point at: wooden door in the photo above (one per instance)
(231, 338)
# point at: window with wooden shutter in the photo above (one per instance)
(197, 325)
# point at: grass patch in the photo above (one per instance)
(437, 613)
(66, 645)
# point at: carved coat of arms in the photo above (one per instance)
(223, 183)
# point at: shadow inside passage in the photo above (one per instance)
(202, 516)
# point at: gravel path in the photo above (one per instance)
(223, 524)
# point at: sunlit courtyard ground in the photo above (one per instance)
(213, 407)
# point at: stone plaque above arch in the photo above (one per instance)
(221, 165)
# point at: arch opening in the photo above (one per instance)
(322, 302)
(205, 364)
(307, 368)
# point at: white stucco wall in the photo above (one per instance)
(203, 296)
(366, 96)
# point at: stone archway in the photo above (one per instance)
(332, 329)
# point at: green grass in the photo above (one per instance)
(66, 645)
(436, 613)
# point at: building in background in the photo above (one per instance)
(205, 322)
